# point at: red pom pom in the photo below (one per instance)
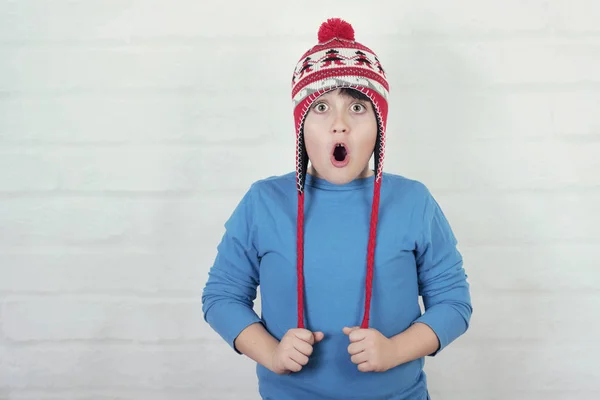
(335, 28)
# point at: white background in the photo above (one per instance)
(115, 120)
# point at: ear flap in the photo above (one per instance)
(301, 163)
(378, 146)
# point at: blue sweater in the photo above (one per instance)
(416, 255)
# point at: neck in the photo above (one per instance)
(365, 173)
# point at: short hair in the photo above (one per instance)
(355, 94)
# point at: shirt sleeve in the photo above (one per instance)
(442, 279)
(229, 294)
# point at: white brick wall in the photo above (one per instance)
(114, 122)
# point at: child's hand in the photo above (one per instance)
(292, 352)
(370, 350)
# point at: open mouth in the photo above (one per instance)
(339, 152)
(339, 157)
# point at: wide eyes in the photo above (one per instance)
(356, 107)
(321, 107)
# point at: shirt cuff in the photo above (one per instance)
(445, 322)
(229, 320)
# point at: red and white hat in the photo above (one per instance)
(338, 61)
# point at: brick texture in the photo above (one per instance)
(129, 131)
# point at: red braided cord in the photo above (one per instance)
(371, 253)
(300, 259)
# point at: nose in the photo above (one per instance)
(339, 125)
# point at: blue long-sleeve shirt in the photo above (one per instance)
(416, 254)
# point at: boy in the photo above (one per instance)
(341, 260)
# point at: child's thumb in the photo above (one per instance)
(348, 330)
(319, 336)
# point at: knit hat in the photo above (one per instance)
(338, 61)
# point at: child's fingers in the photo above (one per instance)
(298, 357)
(355, 348)
(303, 347)
(348, 330)
(365, 367)
(292, 365)
(355, 333)
(305, 335)
(359, 358)
(319, 336)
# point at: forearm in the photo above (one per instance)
(418, 341)
(258, 344)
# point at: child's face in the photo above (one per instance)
(336, 119)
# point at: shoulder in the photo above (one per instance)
(426, 209)
(274, 182)
(264, 193)
(285, 179)
(272, 189)
(405, 186)
(412, 194)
